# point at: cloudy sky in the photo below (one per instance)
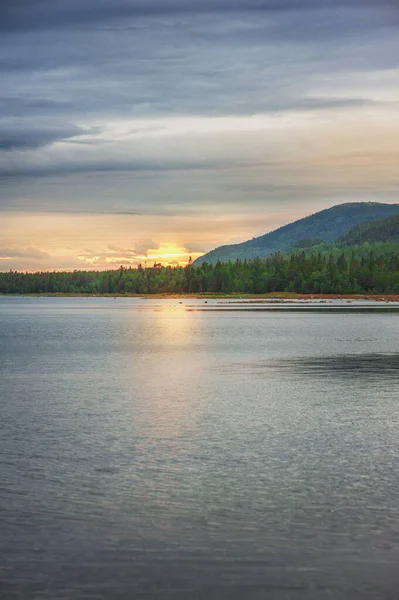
(136, 130)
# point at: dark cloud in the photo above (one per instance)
(108, 165)
(34, 15)
(20, 106)
(22, 136)
(40, 14)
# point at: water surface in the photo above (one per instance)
(152, 449)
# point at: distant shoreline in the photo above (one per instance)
(271, 297)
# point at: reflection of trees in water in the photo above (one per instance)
(340, 365)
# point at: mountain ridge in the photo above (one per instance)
(328, 225)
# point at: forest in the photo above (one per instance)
(318, 269)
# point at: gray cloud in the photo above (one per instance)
(143, 246)
(68, 69)
(199, 64)
(41, 14)
(116, 255)
(108, 165)
(19, 135)
(140, 248)
(31, 253)
(194, 247)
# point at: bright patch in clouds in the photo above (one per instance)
(120, 130)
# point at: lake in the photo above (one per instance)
(162, 450)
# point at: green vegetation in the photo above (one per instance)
(337, 270)
(326, 226)
(307, 243)
(382, 230)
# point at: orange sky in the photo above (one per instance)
(86, 241)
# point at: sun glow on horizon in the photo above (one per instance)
(167, 254)
(73, 241)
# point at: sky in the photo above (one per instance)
(154, 130)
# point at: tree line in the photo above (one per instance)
(364, 269)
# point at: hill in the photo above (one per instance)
(382, 230)
(328, 225)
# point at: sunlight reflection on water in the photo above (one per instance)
(172, 454)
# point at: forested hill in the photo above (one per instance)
(327, 269)
(382, 230)
(327, 225)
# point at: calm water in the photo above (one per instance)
(157, 450)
